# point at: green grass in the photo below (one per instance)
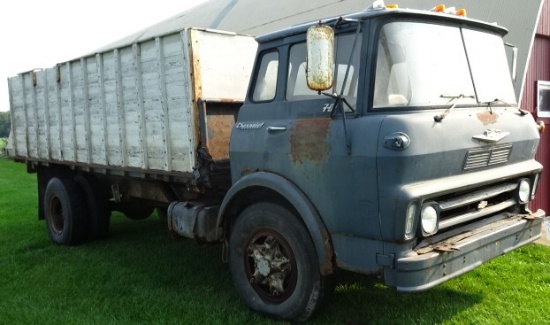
(140, 275)
(3, 143)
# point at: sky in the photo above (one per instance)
(39, 33)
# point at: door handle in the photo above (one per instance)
(276, 128)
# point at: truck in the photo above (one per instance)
(387, 141)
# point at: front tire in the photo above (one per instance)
(65, 212)
(274, 264)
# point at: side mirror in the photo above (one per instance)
(320, 57)
(514, 60)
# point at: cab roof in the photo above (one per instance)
(389, 13)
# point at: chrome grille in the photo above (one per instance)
(465, 207)
(487, 156)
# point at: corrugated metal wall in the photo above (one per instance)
(544, 22)
(539, 69)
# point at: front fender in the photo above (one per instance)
(302, 204)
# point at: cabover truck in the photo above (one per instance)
(387, 141)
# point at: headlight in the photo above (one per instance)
(429, 218)
(524, 191)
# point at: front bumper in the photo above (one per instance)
(439, 262)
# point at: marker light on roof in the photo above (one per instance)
(450, 11)
(440, 8)
(378, 4)
(461, 12)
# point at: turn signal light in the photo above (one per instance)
(541, 126)
(392, 6)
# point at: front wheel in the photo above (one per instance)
(274, 264)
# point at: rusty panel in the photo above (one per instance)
(487, 118)
(217, 120)
(308, 140)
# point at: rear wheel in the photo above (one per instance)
(65, 212)
(274, 264)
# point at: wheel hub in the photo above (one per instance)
(270, 266)
(56, 215)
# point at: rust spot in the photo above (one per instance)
(327, 267)
(219, 132)
(308, 140)
(487, 118)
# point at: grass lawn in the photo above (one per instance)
(140, 275)
(3, 143)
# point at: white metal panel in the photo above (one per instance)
(30, 115)
(68, 142)
(179, 97)
(18, 119)
(78, 90)
(95, 108)
(112, 124)
(223, 64)
(41, 110)
(51, 97)
(152, 82)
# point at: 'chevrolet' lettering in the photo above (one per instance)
(249, 126)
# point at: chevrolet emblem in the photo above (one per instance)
(491, 135)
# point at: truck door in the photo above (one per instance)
(293, 132)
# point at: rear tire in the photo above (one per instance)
(65, 212)
(274, 264)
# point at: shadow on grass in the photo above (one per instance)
(360, 299)
(194, 277)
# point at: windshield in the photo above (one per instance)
(420, 64)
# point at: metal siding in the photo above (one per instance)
(539, 69)
(544, 23)
(543, 156)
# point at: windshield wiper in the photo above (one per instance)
(453, 98)
(522, 112)
(339, 99)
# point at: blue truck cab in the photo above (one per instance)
(414, 162)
